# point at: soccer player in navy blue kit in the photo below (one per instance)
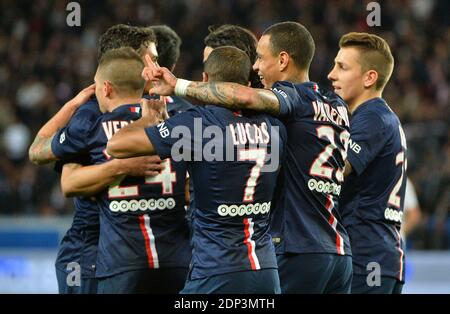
(76, 259)
(232, 249)
(373, 194)
(313, 248)
(144, 239)
(168, 48)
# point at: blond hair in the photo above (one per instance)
(122, 67)
(375, 54)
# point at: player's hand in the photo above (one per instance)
(153, 110)
(163, 81)
(143, 166)
(83, 96)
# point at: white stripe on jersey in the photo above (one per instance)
(252, 243)
(401, 252)
(151, 237)
(340, 240)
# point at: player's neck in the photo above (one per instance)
(122, 101)
(367, 95)
(295, 77)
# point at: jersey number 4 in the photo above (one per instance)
(166, 178)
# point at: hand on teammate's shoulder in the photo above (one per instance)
(83, 96)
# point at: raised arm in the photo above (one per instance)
(131, 140)
(234, 96)
(79, 180)
(40, 151)
(230, 95)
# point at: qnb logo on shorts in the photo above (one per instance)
(393, 215)
(324, 187)
(142, 205)
(244, 209)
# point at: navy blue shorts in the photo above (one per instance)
(315, 273)
(388, 285)
(155, 281)
(264, 281)
(86, 285)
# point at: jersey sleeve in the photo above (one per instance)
(288, 97)
(73, 138)
(278, 128)
(366, 140)
(175, 137)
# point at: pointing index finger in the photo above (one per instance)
(149, 62)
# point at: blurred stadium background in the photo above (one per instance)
(44, 63)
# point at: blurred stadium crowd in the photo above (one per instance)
(44, 63)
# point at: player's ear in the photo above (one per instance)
(107, 88)
(283, 60)
(370, 78)
(205, 77)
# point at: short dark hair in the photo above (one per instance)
(228, 64)
(122, 35)
(123, 68)
(239, 37)
(293, 38)
(168, 45)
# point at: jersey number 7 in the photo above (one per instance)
(259, 156)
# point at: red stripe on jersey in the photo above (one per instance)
(248, 243)
(147, 241)
(332, 221)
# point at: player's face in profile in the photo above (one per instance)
(266, 63)
(347, 76)
(206, 52)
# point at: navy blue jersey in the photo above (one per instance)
(176, 104)
(80, 242)
(233, 183)
(306, 218)
(373, 194)
(142, 223)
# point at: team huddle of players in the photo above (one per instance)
(255, 180)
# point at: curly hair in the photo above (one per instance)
(168, 46)
(122, 35)
(236, 36)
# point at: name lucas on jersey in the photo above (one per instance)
(241, 133)
(211, 143)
